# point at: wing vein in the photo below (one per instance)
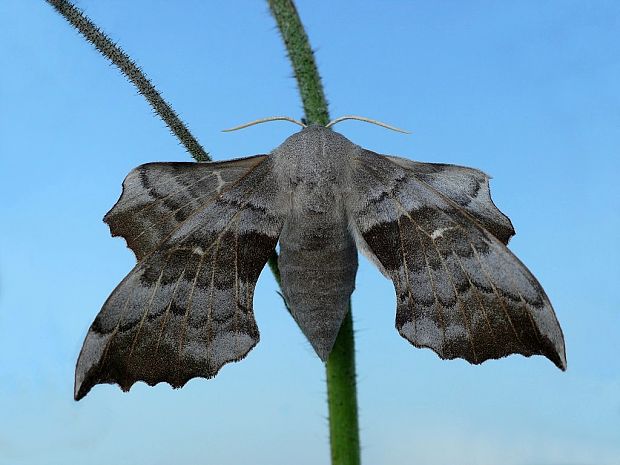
(147, 307)
(500, 298)
(161, 199)
(117, 327)
(203, 206)
(438, 303)
(210, 308)
(410, 295)
(456, 293)
(168, 307)
(210, 168)
(477, 294)
(236, 314)
(187, 312)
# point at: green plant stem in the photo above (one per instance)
(302, 60)
(128, 67)
(342, 397)
(340, 366)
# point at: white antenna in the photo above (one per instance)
(265, 120)
(367, 120)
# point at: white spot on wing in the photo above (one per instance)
(220, 181)
(439, 232)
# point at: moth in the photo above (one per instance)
(202, 233)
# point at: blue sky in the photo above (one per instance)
(526, 91)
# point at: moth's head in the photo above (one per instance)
(323, 138)
(316, 133)
(314, 142)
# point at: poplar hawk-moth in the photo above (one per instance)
(202, 233)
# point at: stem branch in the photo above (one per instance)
(128, 67)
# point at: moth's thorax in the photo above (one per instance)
(315, 155)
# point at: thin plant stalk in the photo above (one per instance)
(340, 366)
(302, 61)
(128, 67)
(342, 397)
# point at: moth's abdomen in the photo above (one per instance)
(318, 262)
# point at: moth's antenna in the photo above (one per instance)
(367, 120)
(265, 120)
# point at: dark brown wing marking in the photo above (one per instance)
(158, 197)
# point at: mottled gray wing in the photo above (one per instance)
(467, 187)
(186, 308)
(441, 240)
(158, 197)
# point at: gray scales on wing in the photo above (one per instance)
(202, 233)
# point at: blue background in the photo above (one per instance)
(527, 91)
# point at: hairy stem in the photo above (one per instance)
(342, 397)
(302, 60)
(129, 68)
(340, 366)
